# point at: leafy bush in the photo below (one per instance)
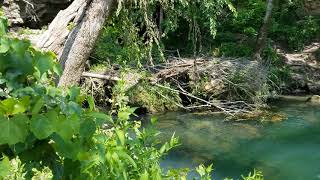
(236, 50)
(137, 36)
(50, 133)
(153, 98)
(47, 132)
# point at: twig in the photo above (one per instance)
(195, 97)
(100, 76)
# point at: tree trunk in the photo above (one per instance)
(263, 33)
(72, 36)
(82, 40)
(56, 35)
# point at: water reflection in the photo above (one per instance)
(282, 150)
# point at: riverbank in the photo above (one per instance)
(229, 85)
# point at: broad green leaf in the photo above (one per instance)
(87, 128)
(124, 115)
(121, 136)
(91, 103)
(5, 167)
(154, 120)
(74, 92)
(20, 47)
(25, 101)
(99, 115)
(4, 45)
(126, 156)
(144, 176)
(53, 91)
(3, 25)
(66, 127)
(66, 148)
(13, 130)
(38, 105)
(57, 69)
(41, 126)
(132, 110)
(73, 108)
(12, 106)
(43, 63)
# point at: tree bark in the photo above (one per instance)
(82, 40)
(263, 33)
(72, 36)
(55, 37)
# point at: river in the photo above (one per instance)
(286, 150)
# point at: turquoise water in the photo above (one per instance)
(287, 150)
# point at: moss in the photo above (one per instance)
(153, 98)
(99, 68)
(260, 115)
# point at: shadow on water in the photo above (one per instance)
(282, 150)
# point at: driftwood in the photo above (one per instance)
(100, 76)
(227, 107)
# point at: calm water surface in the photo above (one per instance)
(287, 150)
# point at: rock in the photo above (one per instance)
(32, 13)
(315, 99)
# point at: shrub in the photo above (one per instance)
(47, 132)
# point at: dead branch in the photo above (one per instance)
(100, 76)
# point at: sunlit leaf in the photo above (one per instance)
(4, 45)
(154, 120)
(91, 103)
(12, 106)
(144, 176)
(5, 167)
(121, 136)
(38, 105)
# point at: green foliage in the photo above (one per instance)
(154, 98)
(3, 24)
(278, 74)
(256, 175)
(11, 169)
(233, 49)
(236, 35)
(290, 28)
(55, 137)
(204, 172)
(137, 36)
(120, 42)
